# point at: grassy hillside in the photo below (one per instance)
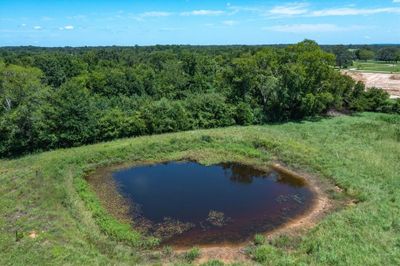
(46, 193)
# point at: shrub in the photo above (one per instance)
(115, 124)
(259, 239)
(210, 110)
(263, 254)
(396, 106)
(192, 254)
(244, 115)
(316, 104)
(166, 116)
(373, 99)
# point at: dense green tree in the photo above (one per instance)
(397, 55)
(344, 57)
(388, 54)
(244, 114)
(365, 54)
(62, 97)
(165, 116)
(210, 110)
(20, 94)
(116, 124)
(241, 77)
(140, 80)
(69, 117)
(17, 83)
(59, 67)
(171, 81)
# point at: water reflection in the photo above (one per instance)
(187, 203)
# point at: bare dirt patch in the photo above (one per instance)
(388, 82)
(395, 77)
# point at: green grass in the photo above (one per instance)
(376, 66)
(192, 254)
(46, 193)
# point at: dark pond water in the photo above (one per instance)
(187, 203)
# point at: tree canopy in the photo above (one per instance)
(63, 97)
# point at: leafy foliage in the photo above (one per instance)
(63, 97)
(192, 254)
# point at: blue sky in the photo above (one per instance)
(131, 22)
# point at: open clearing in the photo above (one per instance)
(388, 82)
(50, 215)
(376, 66)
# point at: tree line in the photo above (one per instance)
(64, 97)
(346, 54)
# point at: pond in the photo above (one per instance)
(186, 203)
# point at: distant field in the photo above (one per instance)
(376, 66)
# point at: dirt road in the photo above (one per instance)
(388, 82)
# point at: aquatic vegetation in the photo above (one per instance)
(171, 227)
(185, 203)
(216, 218)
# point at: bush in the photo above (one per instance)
(259, 239)
(373, 99)
(116, 124)
(210, 110)
(244, 115)
(192, 254)
(165, 116)
(396, 106)
(263, 254)
(316, 104)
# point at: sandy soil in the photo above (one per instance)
(388, 82)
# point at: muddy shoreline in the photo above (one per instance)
(106, 189)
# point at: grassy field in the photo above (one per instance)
(47, 194)
(376, 66)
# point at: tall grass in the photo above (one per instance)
(47, 193)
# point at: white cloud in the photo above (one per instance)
(67, 27)
(303, 9)
(353, 11)
(203, 12)
(310, 28)
(229, 22)
(155, 14)
(290, 9)
(37, 27)
(236, 9)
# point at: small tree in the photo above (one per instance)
(388, 54)
(365, 54)
(344, 57)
